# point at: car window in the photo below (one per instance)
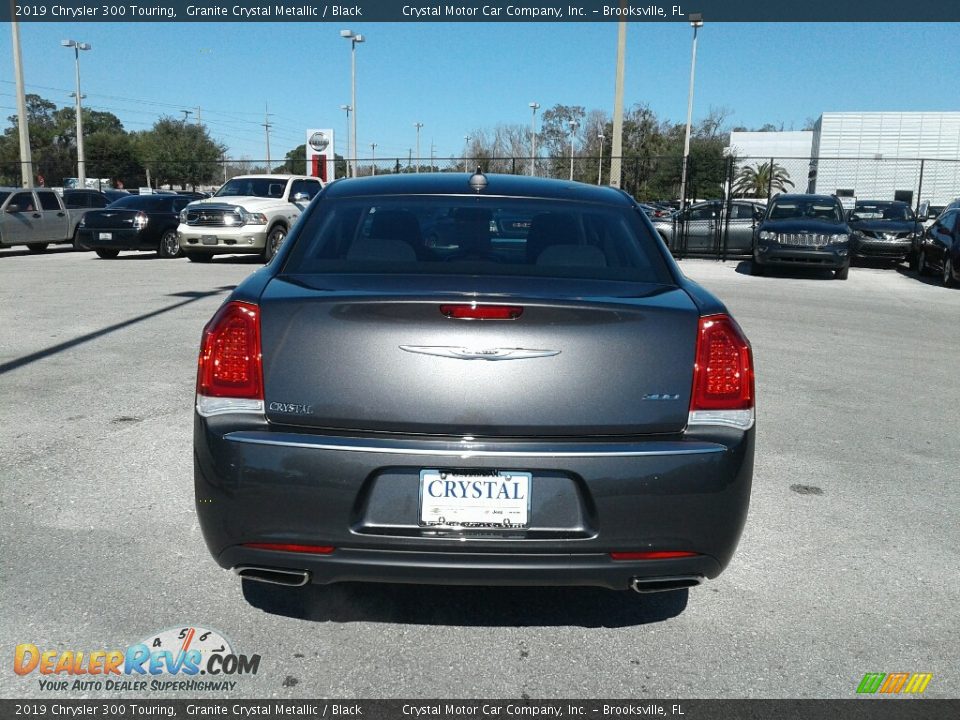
(803, 208)
(48, 200)
(24, 201)
(179, 203)
(706, 212)
(742, 211)
(482, 236)
(881, 211)
(949, 221)
(258, 187)
(310, 187)
(98, 201)
(75, 200)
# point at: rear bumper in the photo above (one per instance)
(360, 496)
(120, 239)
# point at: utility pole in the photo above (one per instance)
(432, 153)
(466, 147)
(373, 158)
(616, 150)
(199, 121)
(418, 125)
(409, 158)
(266, 127)
(23, 127)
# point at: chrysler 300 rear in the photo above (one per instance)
(559, 408)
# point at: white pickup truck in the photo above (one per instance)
(35, 218)
(249, 214)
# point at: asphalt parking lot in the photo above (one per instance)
(850, 561)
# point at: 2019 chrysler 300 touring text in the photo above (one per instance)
(541, 399)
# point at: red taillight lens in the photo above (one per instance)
(230, 363)
(723, 373)
(652, 555)
(288, 547)
(472, 311)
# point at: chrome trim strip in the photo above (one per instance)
(471, 449)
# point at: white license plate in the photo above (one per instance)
(106, 236)
(208, 239)
(495, 500)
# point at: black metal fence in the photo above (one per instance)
(720, 196)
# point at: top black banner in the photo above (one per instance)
(422, 11)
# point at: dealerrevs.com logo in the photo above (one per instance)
(188, 659)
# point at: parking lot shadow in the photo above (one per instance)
(466, 606)
(745, 267)
(935, 279)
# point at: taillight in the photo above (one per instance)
(288, 547)
(473, 311)
(652, 555)
(230, 370)
(723, 386)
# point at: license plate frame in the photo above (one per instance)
(208, 239)
(105, 236)
(495, 512)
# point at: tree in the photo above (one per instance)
(295, 161)
(178, 153)
(758, 181)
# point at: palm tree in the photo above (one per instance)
(757, 181)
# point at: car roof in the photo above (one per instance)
(268, 177)
(458, 184)
(880, 202)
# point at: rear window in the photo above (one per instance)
(144, 202)
(478, 236)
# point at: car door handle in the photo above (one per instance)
(61, 214)
(37, 215)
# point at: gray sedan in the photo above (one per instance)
(712, 227)
(545, 400)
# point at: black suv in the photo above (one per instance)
(883, 230)
(803, 230)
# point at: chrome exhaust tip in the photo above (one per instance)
(664, 584)
(274, 576)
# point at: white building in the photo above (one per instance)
(910, 156)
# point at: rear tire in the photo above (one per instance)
(948, 280)
(37, 247)
(107, 254)
(842, 274)
(757, 269)
(198, 257)
(922, 264)
(169, 245)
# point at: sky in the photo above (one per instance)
(456, 78)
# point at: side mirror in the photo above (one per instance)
(300, 197)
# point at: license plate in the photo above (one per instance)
(208, 239)
(492, 500)
(106, 236)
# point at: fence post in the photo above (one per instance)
(728, 208)
(919, 187)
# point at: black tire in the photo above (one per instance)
(37, 247)
(76, 241)
(757, 269)
(274, 240)
(169, 246)
(199, 257)
(842, 273)
(922, 264)
(912, 260)
(948, 280)
(107, 254)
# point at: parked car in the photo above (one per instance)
(940, 249)
(566, 409)
(36, 218)
(114, 194)
(883, 230)
(248, 214)
(136, 222)
(803, 231)
(704, 226)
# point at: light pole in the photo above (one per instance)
(348, 109)
(418, 125)
(373, 158)
(354, 39)
(23, 125)
(573, 129)
(600, 170)
(533, 138)
(696, 21)
(466, 148)
(81, 161)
